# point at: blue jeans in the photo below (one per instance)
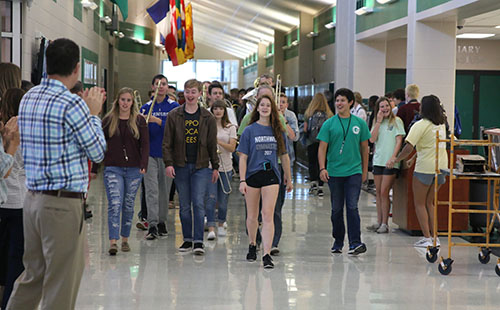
(345, 189)
(216, 195)
(192, 185)
(121, 185)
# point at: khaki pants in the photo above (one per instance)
(53, 254)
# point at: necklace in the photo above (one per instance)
(345, 133)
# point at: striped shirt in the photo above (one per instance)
(6, 161)
(58, 134)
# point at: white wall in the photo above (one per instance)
(324, 70)
(291, 72)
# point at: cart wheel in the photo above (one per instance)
(484, 255)
(445, 266)
(497, 267)
(431, 254)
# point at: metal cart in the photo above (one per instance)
(492, 177)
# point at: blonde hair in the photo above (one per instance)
(113, 116)
(358, 98)
(412, 91)
(10, 77)
(318, 103)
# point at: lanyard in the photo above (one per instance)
(345, 133)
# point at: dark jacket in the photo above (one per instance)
(174, 140)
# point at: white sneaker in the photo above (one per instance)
(221, 231)
(225, 225)
(211, 235)
(373, 227)
(383, 229)
(423, 243)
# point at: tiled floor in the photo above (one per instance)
(391, 275)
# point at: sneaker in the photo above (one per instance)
(211, 235)
(186, 246)
(252, 253)
(373, 227)
(113, 249)
(437, 242)
(313, 189)
(152, 234)
(423, 243)
(198, 248)
(383, 229)
(275, 251)
(336, 249)
(88, 212)
(221, 231)
(320, 192)
(142, 225)
(225, 225)
(267, 262)
(125, 246)
(357, 249)
(162, 230)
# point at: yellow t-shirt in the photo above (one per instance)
(422, 136)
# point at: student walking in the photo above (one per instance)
(218, 193)
(125, 161)
(261, 143)
(387, 134)
(345, 136)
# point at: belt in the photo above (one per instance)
(60, 193)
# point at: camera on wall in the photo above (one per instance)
(460, 24)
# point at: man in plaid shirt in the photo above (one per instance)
(59, 131)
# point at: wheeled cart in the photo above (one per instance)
(492, 177)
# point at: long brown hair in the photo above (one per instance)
(318, 103)
(10, 77)
(392, 117)
(225, 119)
(113, 115)
(10, 103)
(274, 120)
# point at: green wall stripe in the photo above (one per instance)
(269, 62)
(250, 69)
(291, 52)
(324, 38)
(77, 9)
(127, 44)
(382, 14)
(423, 5)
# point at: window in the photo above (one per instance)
(10, 49)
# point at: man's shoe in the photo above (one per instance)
(186, 246)
(373, 227)
(221, 231)
(198, 248)
(125, 246)
(142, 224)
(152, 233)
(267, 262)
(357, 249)
(275, 251)
(320, 192)
(162, 230)
(336, 249)
(252, 253)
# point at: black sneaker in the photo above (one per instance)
(186, 246)
(275, 251)
(320, 192)
(152, 233)
(198, 248)
(252, 253)
(336, 249)
(267, 261)
(358, 249)
(162, 230)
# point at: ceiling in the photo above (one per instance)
(237, 26)
(482, 23)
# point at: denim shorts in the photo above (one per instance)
(263, 178)
(379, 170)
(428, 178)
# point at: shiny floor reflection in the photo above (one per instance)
(391, 275)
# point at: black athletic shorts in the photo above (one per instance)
(263, 178)
(379, 170)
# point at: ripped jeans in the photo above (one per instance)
(121, 185)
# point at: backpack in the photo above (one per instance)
(314, 124)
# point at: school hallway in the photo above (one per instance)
(392, 274)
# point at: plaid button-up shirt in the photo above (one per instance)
(6, 161)
(58, 135)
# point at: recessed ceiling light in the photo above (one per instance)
(475, 35)
(498, 27)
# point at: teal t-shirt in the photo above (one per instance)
(386, 141)
(348, 161)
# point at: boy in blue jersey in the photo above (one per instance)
(345, 136)
(156, 183)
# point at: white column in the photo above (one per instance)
(345, 32)
(369, 68)
(431, 58)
